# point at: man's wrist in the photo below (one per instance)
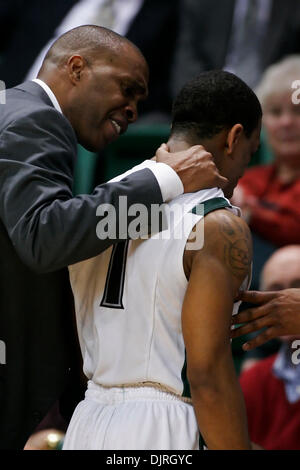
(169, 182)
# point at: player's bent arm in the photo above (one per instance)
(216, 273)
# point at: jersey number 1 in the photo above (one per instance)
(114, 284)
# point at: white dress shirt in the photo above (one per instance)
(49, 92)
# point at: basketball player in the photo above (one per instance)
(154, 315)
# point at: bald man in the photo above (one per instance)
(282, 270)
(278, 309)
(87, 91)
(272, 386)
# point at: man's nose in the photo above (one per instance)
(131, 112)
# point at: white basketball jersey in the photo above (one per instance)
(128, 304)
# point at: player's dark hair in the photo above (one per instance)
(214, 101)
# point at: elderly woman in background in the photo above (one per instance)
(269, 195)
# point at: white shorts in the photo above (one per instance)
(143, 418)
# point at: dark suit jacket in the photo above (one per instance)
(43, 229)
(205, 29)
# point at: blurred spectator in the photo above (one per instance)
(270, 195)
(272, 386)
(241, 36)
(28, 27)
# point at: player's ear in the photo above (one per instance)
(233, 138)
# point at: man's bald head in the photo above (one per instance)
(282, 270)
(88, 41)
(98, 78)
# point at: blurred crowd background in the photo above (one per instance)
(259, 40)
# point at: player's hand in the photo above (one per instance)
(194, 166)
(278, 312)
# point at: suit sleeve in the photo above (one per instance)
(48, 227)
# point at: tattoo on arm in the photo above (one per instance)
(237, 250)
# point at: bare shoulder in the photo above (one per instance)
(226, 237)
(226, 225)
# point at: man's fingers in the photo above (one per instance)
(194, 166)
(198, 147)
(250, 327)
(260, 339)
(249, 315)
(162, 151)
(218, 180)
(221, 181)
(244, 330)
(164, 147)
(257, 297)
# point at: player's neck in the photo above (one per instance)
(177, 144)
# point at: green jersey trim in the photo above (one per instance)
(211, 205)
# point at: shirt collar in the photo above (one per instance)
(49, 92)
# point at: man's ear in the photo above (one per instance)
(75, 65)
(233, 138)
